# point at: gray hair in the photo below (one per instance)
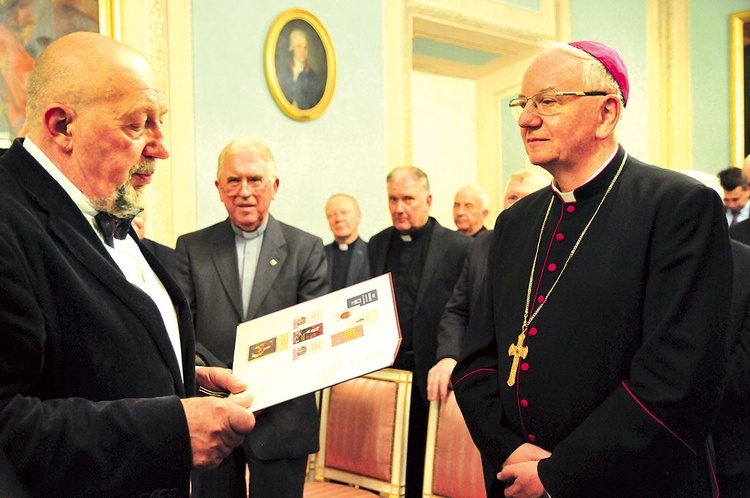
(595, 75)
(346, 196)
(248, 144)
(415, 172)
(484, 198)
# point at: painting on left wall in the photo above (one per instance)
(26, 28)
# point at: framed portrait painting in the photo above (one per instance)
(300, 64)
(26, 28)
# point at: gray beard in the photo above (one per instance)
(127, 201)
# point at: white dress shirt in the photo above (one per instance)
(126, 253)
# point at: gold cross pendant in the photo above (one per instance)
(517, 351)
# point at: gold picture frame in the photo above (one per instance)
(739, 128)
(300, 64)
(26, 28)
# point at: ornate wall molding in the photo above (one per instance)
(517, 33)
(162, 31)
(496, 17)
(159, 225)
(669, 95)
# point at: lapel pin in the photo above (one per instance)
(273, 262)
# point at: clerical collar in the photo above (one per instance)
(342, 246)
(591, 184)
(419, 232)
(242, 234)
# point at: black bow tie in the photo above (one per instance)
(112, 227)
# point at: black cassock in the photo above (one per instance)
(622, 375)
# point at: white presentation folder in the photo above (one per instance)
(318, 343)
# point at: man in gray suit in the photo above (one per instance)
(245, 267)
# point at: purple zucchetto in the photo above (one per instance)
(611, 60)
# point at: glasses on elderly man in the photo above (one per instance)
(547, 102)
(234, 186)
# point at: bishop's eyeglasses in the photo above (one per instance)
(547, 102)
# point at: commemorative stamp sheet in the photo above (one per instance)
(318, 343)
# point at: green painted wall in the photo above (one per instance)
(709, 81)
(343, 150)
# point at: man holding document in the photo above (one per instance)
(245, 267)
(97, 370)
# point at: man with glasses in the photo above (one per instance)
(244, 267)
(595, 363)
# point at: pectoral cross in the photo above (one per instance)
(517, 351)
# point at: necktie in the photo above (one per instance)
(112, 227)
(735, 215)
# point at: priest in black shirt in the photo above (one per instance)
(424, 260)
(347, 254)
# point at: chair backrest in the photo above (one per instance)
(453, 465)
(364, 428)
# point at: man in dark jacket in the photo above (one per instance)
(424, 260)
(595, 366)
(98, 362)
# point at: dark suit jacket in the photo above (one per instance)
(359, 265)
(164, 254)
(464, 298)
(732, 428)
(89, 383)
(442, 266)
(291, 269)
(741, 232)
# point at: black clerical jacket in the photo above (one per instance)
(445, 256)
(623, 371)
(359, 264)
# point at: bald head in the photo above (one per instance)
(95, 109)
(470, 208)
(523, 182)
(344, 217)
(80, 69)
